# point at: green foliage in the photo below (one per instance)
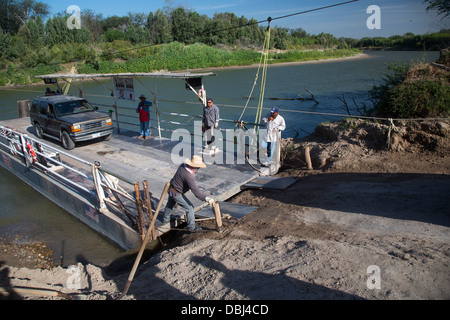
(409, 41)
(112, 35)
(441, 6)
(292, 56)
(171, 39)
(419, 99)
(177, 56)
(398, 97)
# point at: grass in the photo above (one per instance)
(171, 57)
(177, 56)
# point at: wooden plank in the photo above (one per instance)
(235, 210)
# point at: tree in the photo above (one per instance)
(5, 44)
(137, 35)
(280, 38)
(442, 7)
(179, 24)
(115, 22)
(56, 32)
(93, 22)
(137, 19)
(8, 21)
(14, 14)
(159, 28)
(33, 33)
(29, 9)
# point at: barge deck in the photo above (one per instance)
(124, 156)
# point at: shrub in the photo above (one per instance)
(418, 91)
(419, 99)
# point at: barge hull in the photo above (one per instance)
(78, 205)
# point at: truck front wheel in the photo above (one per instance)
(67, 141)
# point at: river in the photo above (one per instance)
(26, 215)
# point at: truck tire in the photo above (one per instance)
(67, 141)
(39, 132)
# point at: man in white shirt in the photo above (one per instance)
(274, 124)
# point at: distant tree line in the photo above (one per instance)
(29, 38)
(163, 26)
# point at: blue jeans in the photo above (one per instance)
(145, 128)
(270, 149)
(183, 202)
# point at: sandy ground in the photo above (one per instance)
(366, 223)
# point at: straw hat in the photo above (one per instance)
(196, 162)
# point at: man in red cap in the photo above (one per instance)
(274, 124)
(144, 116)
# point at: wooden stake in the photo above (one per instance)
(147, 236)
(218, 215)
(308, 157)
(149, 206)
(140, 217)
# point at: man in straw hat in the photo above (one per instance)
(181, 183)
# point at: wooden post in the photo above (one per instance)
(308, 157)
(23, 108)
(117, 116)
(147, 236)
(218, 215)
(140, 217)
(149, 206)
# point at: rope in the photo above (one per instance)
(253, 88)
(263, 80)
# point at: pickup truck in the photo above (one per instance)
(69, 120)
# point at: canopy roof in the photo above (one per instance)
(159, 74)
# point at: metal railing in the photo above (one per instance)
(119, 115)
(41, 155)
(99, 182)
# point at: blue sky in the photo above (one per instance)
(397, 16)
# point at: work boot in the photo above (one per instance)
(195, 229)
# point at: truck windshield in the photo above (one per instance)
(73, 107)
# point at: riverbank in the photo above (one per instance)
(226, 62)
(362, 206)
(357, 56)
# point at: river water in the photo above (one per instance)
(25, 214)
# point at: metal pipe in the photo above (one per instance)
(117, 176)
(65, 179)
(64, 165)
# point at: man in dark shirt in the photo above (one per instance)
(211, 118)
(181, 183)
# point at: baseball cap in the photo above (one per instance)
(274, 110)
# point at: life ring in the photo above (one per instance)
(31, 154)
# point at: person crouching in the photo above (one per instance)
(181, 183)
